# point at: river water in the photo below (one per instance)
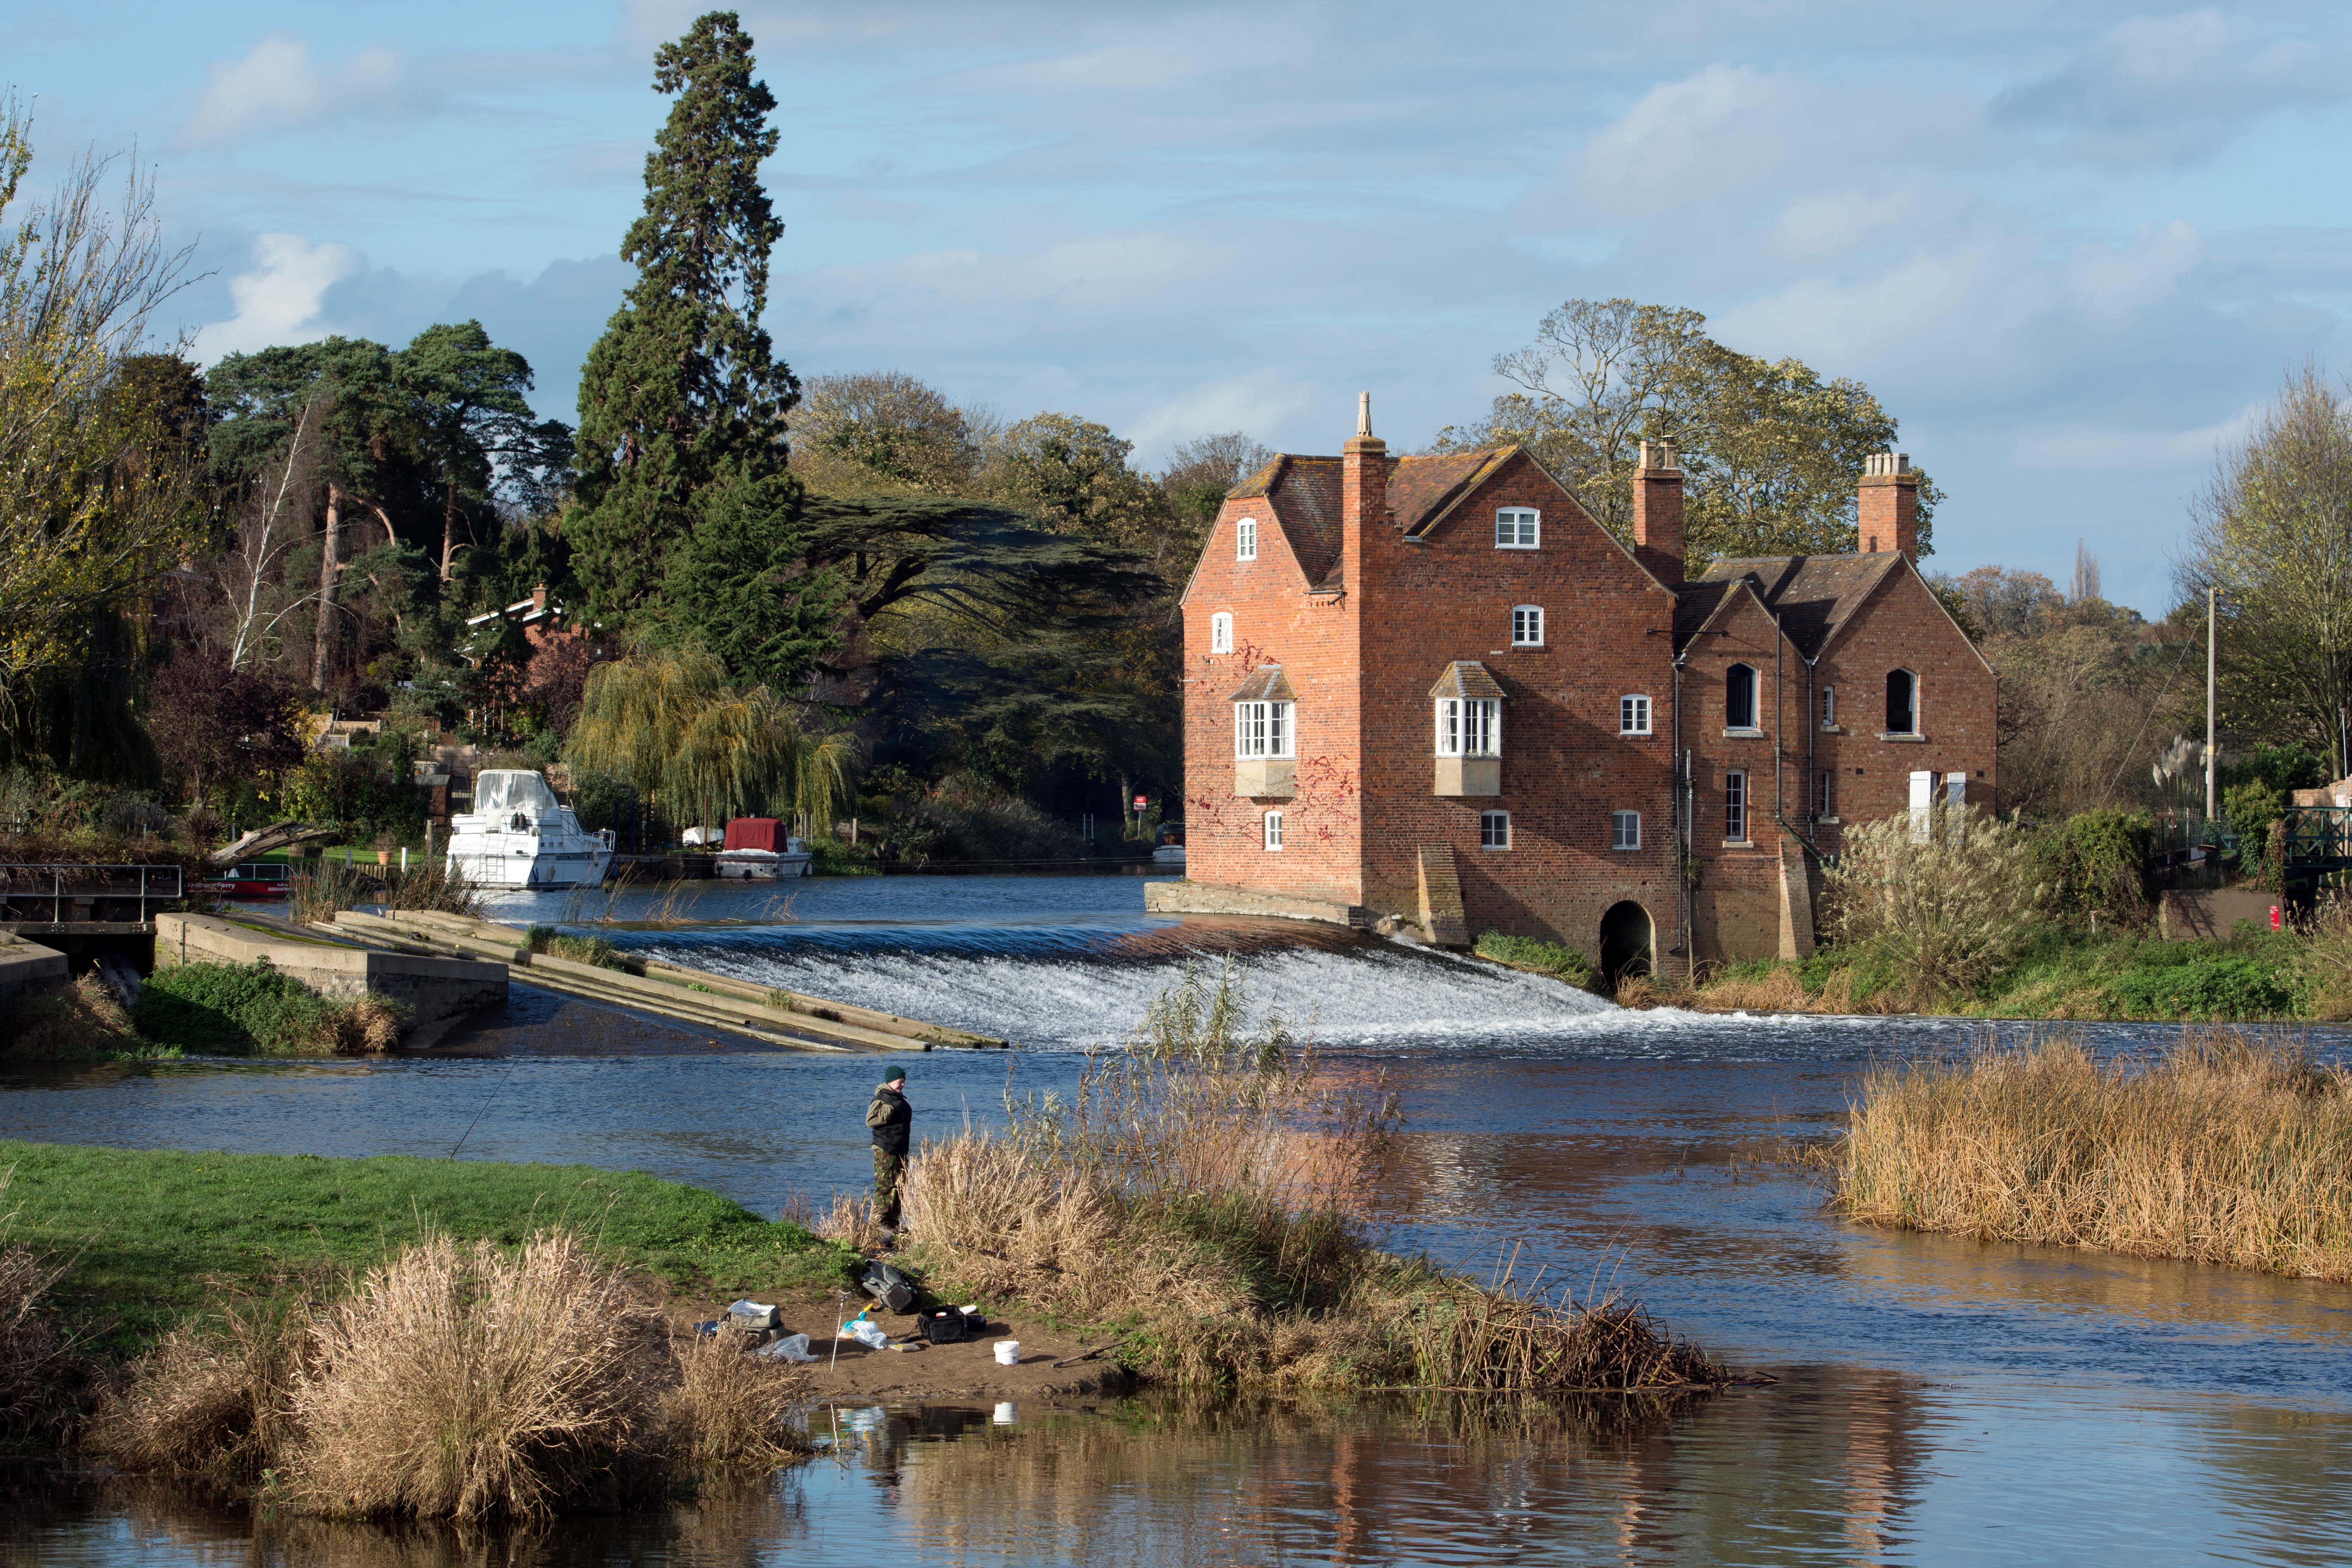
(1940, 1401)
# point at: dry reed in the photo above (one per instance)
(82, 1019)
(39, 1370)
(2230, 1148)
(728, 1410)
(210, 1402)
(466, 1383)
(1201, 1194)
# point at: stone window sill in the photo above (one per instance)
(1833, 729)
(1739, 843)
(1829, 821)
(1908, 738)
(1747, 734)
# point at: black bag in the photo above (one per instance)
(887, 1285)
(946, 1328)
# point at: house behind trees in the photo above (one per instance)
(1435, 687)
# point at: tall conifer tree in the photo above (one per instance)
(681, 400)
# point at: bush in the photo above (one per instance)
(2250, 808)
(240, 1008)
(1948, 904)
(2206, 986)
(1534, 954)
(2096, 865)
(75, 1022)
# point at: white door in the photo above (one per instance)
(1922, 796)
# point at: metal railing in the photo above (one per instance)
(59, 895)
(2319, 835)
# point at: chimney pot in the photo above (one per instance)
(1658, 512)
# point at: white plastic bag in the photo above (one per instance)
(792, 1347)
(870, 1334)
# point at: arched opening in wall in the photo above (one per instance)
(1739, 697)
(1626, 941)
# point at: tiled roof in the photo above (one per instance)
(1812, 594)
(1303, 493)
(1467, 677)
(1694, 602)
(1266, 684)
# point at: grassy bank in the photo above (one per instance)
(2230, 1148)
(149, 1237)
(2251, 976)
(1199, 1200)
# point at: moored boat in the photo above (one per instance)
(519, 835)
(759, 849)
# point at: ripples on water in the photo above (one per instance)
(1944, 1400)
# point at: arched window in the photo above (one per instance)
(1902, 702)
(1221, 633)
(1739, 697)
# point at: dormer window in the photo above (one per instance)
(1468, 710)
(1517, 528)
(1246, 540)
(1221, 631)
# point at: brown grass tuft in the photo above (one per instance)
(848, 1220)
(211, 1404)
(729, 1408)
(464, 1383)
(40, 1373)
(82, 1019)
(2229, 1148)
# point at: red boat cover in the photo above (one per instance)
(756, 833)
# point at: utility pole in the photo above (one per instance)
(2210, 598)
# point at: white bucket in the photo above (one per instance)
(1007, 1413)
(1008, 1353)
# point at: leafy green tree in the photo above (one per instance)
(1072, 474)
(476, 425)
(1771, 450)
(879, 431)
(740, 586)
(682, 392)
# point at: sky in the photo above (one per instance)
(2073, 249)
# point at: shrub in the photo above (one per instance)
(1948, 898)
(2096, 865)
(240, 1008)
(460, 1382)
(2206, 986)
(38, 1369)
(2250, 808)
(1534, 954)
(209, 1403)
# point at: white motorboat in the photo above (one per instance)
(758, 850)
(519, 835)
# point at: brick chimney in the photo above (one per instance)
(1363, 492)
(1658, 512)
(1889, 510)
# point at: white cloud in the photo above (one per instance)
(1829, 223)
(1260, 401)
(281, 299)
(2107, 447)
(1685, 141)
(2112, 284)
(280, 86)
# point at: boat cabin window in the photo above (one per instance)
(495, 792)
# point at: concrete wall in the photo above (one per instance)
(2208, 914)
(27, 967)
(432, 989)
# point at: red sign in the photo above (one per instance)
(2274, 917)
(1138, 806)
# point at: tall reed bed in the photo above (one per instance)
(2231, 1147)
(1201, 1194)
(453, 1382)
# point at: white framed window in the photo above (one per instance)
(1735, 807)
(1273, 830)
(1221, 633)
(1825, 795)
(1739, 697)
(1494, 830)
(1902, 702)
(1469, 727)
(1634, 714)
(1624, 830)
(1517, 528)
(1828, 706)
(1261, 730)
(1246, 540)
(1527, 626)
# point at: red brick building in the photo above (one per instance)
(1435, 687)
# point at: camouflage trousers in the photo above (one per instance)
(888, 1170)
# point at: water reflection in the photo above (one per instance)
(1836, 1466)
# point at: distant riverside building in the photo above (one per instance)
(1435, 687)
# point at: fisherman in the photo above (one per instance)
(893, 1121)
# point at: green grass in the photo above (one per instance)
(152, 1235)
(831, 858)
(1534, 954)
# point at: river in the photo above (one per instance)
(1940, 1401)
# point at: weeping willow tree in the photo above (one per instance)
(673, 725)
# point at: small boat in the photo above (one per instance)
(266, 881)
(1169, 851)
(519, 835)
(759, 849)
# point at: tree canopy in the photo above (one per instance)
(1771, 450)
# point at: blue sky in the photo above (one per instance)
(2072, 246)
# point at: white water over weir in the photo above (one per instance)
(1354, 995)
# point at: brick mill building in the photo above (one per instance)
(1436, 687)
